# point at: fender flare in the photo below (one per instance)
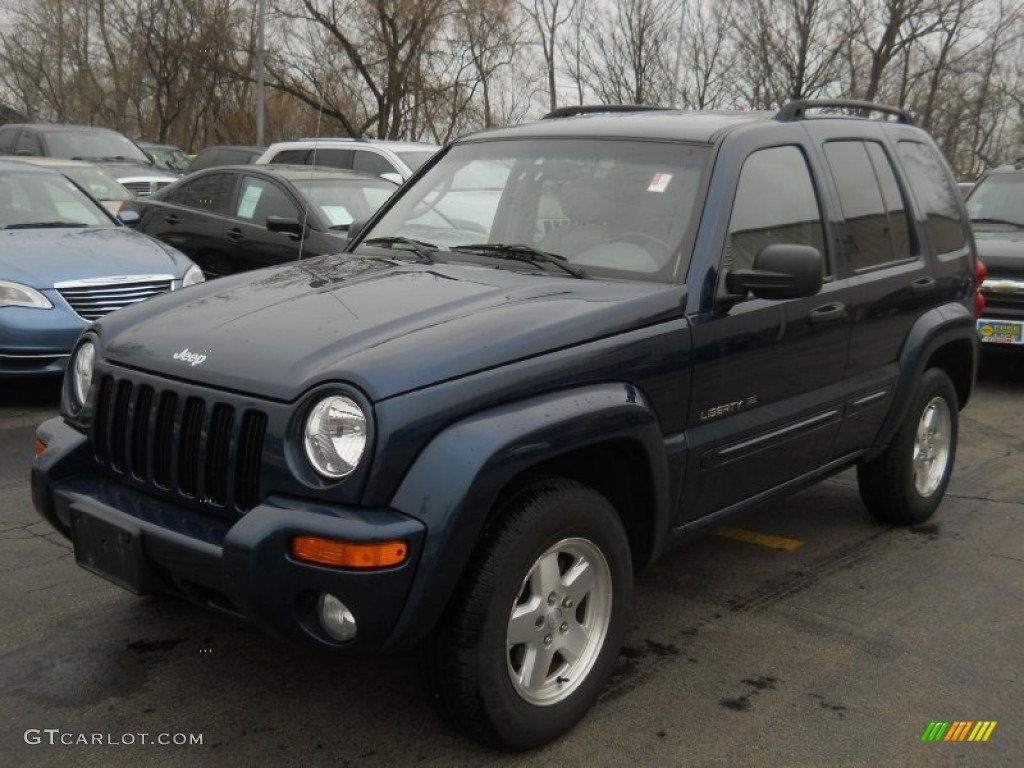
(935, 329)
(453, 485)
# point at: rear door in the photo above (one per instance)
(891, 281)
(766, 399)
(191, 218)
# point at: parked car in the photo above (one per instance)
(393, 160)
(91, 178)
(112, 151)
(996, 208)
(64, 262)
(224, 154)
(471, 441)
(237, 218)
(965, 187)
(166, 155)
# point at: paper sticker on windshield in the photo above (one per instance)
(247, 205)
(659, 182)
(336, 214)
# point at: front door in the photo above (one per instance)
(766, 401)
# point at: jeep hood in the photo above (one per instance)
(382, 326)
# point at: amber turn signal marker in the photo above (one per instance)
(346, 554)
(40, 446)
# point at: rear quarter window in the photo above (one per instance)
(936, 193)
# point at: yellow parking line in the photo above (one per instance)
(764, 539)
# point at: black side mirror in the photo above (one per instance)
(281, 224)
(355, 228)
(129, 218)
(781, 271)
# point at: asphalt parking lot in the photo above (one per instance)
(840, 649)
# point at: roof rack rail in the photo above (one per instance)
(797, 110)
(593, 109)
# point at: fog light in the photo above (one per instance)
(336, 618)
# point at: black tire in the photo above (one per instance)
(470, 668)
(902, 487)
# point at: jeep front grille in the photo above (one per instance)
(190, 447)
(98, 296)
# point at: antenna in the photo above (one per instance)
(307, 201)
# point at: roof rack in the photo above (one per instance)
(797, 110)
(593, 109)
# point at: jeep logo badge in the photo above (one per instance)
(189, 357)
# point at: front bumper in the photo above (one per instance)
(241, 566)
(37, 342)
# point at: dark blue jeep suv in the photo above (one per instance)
(556, 351)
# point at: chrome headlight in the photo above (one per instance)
(81, 373)
(18, 295)
(192, 276)
(335, 436)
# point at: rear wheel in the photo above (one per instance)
(533, 633)
(905, 484)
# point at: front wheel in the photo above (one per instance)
(534, 631)
(905, 485)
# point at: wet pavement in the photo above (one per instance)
(838, 651)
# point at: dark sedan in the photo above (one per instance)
(64, 262)
(243, 217)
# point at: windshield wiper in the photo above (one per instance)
(522, 252)
(1003, 222)
(46, 225)
(418, 247)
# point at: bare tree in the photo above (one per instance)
(548, 17)
(359, 60)
(786, 49)
(628, 59)
(707, 57)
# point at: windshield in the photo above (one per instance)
(38, 200)
(94, 145)
(998, 202)
(613, 207)
(342, 202)
(97, 183)
(415, 159)
(171, 158)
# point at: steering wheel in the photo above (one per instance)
(644, 240)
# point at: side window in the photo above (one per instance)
(8, 136)
(775, 203)
(259, 199)
(212, 192)
(332, 158)
(877, 231)
(936, 193)
(28, 144)
(290, 157)
(374, 164)
(895, 208)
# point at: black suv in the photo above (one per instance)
(469, 432)
(112, 151)
(996, 208)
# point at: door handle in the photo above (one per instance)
(172, 219)
(234, 234)
(827, 313)
(922, 285)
